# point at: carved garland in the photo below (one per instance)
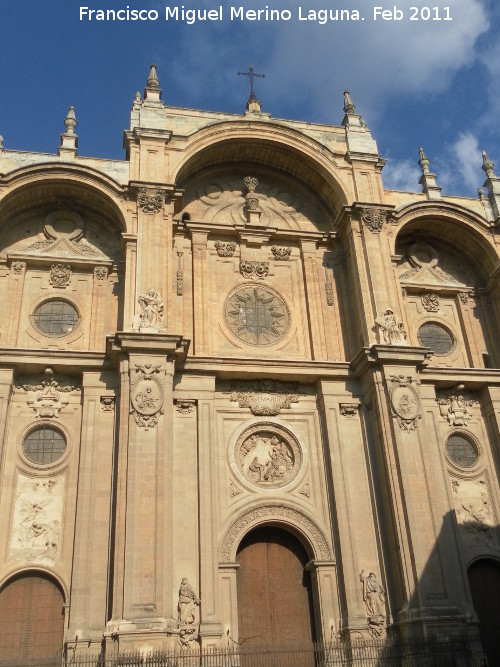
(266, 513)
(257, 269)
(225, 249)
(281, 254)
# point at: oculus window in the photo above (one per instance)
(55, 317)
(437, 337)
(44, 445)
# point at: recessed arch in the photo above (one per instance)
(267, 145)
(32, 618)
(293, 520)
(484, 583)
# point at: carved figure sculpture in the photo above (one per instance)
(392, 328)
(152, 309)
(373, 595)
(187, 602)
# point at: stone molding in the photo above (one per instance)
(271, 512)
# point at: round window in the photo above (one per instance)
(461, 451)
(55, 318)
(437, 337)
(44, 445)
(257, 315)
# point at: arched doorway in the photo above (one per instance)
(484, 582)
(274, 591)
(31, 621)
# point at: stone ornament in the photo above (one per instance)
(349, 410)
(257, 315)
(423, 263)
(180, 275)
(186, 606)
(150, 200)
(60, 275)
(185, 406)
(281, 254)
(464, 298)
(101, 272)
(405, 402)
(37, 520)
(474, 512)
(268, 456)
(272, 512)
(234, 490)
(305, 490)
(107, 403)
(454, 405)
(146, 396)
(251, 199)
(151, 311)
(430, 301)
(392, 328)
(373, 218)
(225, 249)
(251, 269)
(265, 397)
(18, 267)
(51, 392)
(374, 598)
(63, 234)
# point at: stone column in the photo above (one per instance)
(91, 563)
(229, 601)
(326, 598)
(200, 286)
(314, 308)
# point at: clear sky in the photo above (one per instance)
(433, 83)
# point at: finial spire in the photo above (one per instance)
(152, 81)
(428, 179)
(492, 183)
(152, 92)
(349, 107)
(70, 121)
(69, 140)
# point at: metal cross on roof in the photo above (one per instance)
(251, 74)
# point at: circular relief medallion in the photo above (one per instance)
(405, 402)
(257, 315)
(146, 397)
(268, 455)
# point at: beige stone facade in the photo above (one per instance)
(236, 327)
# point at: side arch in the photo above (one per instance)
(295, 521)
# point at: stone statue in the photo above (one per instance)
(392, 328)
(373, 596)
(152, 310)
(187, 602)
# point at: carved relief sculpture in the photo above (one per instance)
(50, 392)
(430, 301)
(186, 607)
(268, 456)
(392, 328)
(36, 521)
(373, 218)
(107, 403)
(455, 404)
(405, 402)
(60, 275)
(251, 269)
(474, 512)
(180, 275)
(151, 311)
(185, 406)
(281, 254)
(265, 397)
(257, 315)
(349, 410)
(101, 272)
(225, 249)
(374, 599)
(150, 200)
(146, 396)
(251, 199)
(18, 267)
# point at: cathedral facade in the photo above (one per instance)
(247, 394)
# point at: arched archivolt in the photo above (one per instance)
(284, 516)
(269, 145)
(449, 225)
(13, 575)
(50, 182)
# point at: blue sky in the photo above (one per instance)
(429, 83)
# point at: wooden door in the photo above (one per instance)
(31, 622)
(274, 591)
(484, 582)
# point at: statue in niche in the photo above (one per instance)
(374, 599)
(187, 602)
(152, 310)
(392, 328)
